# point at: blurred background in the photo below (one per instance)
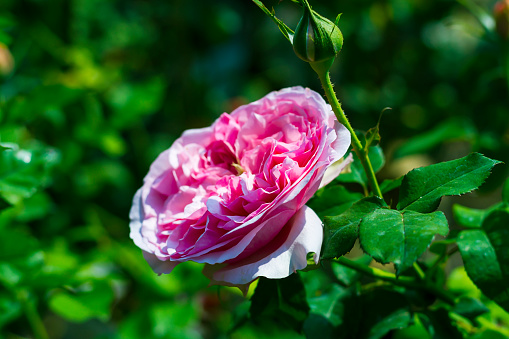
(91, 91)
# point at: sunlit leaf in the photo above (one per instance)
(422, 188)
(340, 232)
(399, 237)
(287, 31)
(23, 171)
(92, 300)
(485, 253)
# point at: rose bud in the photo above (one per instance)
(317, 40)
(501, 14)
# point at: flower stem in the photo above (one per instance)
(398, 281)
(419, 271)
(356, 144)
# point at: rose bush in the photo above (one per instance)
(233, 195)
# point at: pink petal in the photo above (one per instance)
(157, 265)
(285, 255)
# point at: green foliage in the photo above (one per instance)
(83, 303)
(399, 237)
(280, 300)
(340, 232)
(343, 313)
(455, 129)
(422, 188)
(468, 217)
(486, 257)
(333, 200)
(23, 171)
(287, 31)
(357, 173)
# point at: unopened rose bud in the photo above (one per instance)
(6, 60)
(501, 14)
(317, 40)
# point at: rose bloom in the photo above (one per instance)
(233, 195)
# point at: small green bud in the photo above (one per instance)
(501, 14)
(317, 40)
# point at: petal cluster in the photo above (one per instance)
(233, 195)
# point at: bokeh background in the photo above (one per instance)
(91, 91)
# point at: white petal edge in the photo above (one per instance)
(334, 170)
(305, 236)
(136, 215)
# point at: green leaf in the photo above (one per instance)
(287, 31)
(344, 314)
(485, 253)
(23, 171)
(131, 102)
(441, 325)
(399, 237)
(488, 334)
(390, 184)
(383, 311)
(469, 217)
(280, 300)
(486, 20)
(332, 200)
(454, 129)
(89, 301)
(4, 204)
(373, 134)
(10, 309)
(329, 306)
(340, 232)
(175, 320)
(440, 246)
(470, 308)
(357, 173)
(422, 188)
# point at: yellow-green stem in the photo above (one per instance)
(419, 271)
(362, 153)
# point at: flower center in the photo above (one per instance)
(239, 168)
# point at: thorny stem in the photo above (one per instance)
(356, 144)
(399, 281)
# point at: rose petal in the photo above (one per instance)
(335, 169)
(288, 253)
(159, 266)
(136, 215)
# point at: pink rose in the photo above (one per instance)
(232, 195)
